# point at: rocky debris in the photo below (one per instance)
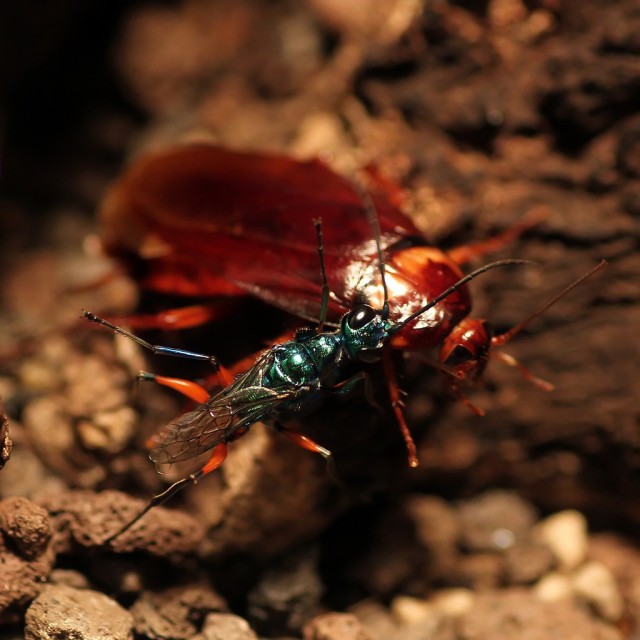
(81, 414)
(69, 578)
(225, 626)
(437, 528)
(565, 534)
(553, 587)
(66, 612)
(335, 626)
(453, 602)
(479, 111)
(417, 619)
(258, 504)
(622, 558)
(6, 444)
(527, 562)
(482, 543)
(378, 619)
(286, 597)
(26, 525)
(517, 615)
(596, 585)
(176, 613)
(495, 521)
(87, 519)
(26, 555)
(408, 610)
(478, 579)
(29, 477)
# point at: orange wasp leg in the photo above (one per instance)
(191, 390)
(307, 443)
(304, 441)
(187, 388)
(217, 458)
(198, 394)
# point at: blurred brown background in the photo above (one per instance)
(480, 110)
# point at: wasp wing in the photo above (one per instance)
(238, 406)
(192, 434)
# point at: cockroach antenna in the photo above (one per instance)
(507, 336)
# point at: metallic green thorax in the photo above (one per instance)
(326, 357)
(301, 363)
(313, 362)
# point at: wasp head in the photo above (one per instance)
(364, 332)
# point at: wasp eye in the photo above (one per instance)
(361, 316)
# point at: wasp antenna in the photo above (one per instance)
(372, 216)
(454, 287)
(317, 223)
(505, 337)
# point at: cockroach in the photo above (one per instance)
(199, 220)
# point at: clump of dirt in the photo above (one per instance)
(26, 555)
(6, 444)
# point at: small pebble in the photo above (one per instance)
(552, 587)
(515, 614)
(65, 612)
(107, 431)
(495, 520)
(527, 562)
(436, 523)
(375, 618)
(478, 571)
(335, 626)
(225, 626)
(595, 584)
(27, 524)
(287, 595)
(409, 610)
(69, 578)
(622, 557)
(176, 612)
(565, 533)
(453, 602)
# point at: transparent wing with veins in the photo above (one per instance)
(238, 406)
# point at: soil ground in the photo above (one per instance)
(520, 524)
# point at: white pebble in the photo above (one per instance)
(453, 602)
(565, 533)
(595, 584)
(553, 587)
(409, 610)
